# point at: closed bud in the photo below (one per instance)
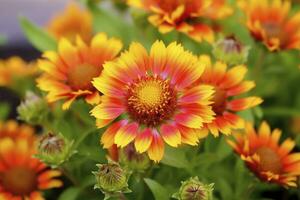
(193, 189)
(111, 179)
(54, 149)
(230, 51)
(33, 109)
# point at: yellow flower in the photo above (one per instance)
(13, 69)
(71, 22)
(265, 157)
(69, 71)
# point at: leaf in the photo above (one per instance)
(4, 111)
(158, 191)
(39, 38)
(70, 194)
(225, 189)
(175, 158)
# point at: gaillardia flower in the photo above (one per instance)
(69, 72)
(227, 84)
(14, 69)
(186, 16)
(152, 99)
(265, 157)
(71, 22)
(270, 22)
(11, 129)
(21, 175)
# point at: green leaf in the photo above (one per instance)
(225, 189)
(158, 191)
(4, 111)
(39, 38)
(70, 194)
(3, 39)
(175, 158)
(113, 25)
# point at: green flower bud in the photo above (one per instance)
(193, 189)
(133, 160)
(230, 51)
(54, 149)
(111, 179)
(33, 109)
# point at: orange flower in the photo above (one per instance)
(15, 68)
(11, 129)
(68, 72)
(227, 84)
(268, 160)
(72, 22)
(185, 16)
(151, 100)
(269, 22)
(21, 175)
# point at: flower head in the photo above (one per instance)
(71, 22)
(11, 129)
(150, 99)
(21, 175)
(193, 189)
(184, 15)
(227, 84)
(270, 22)
(13, 69)
(68, 73)
(265, 157)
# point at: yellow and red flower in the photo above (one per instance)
(186, 16)
(15, 68)
(11, 129)
(270, 22)
(150, 99)
(69, 72)
(266, 158)
(21, 175)
(71, 22)
(227, 84)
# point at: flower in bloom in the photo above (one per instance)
(21, 175)
(270, 22)
(265, 157)
(152, 100)
(14, 131)
(71, 22)
(185, 16)
(13, 69)
(69, 72)
(227, 84)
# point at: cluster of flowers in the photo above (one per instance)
(145, 99)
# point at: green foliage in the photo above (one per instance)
(4, 110)
(38, 37)
(158, 191)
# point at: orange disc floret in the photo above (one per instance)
(21, 175)
(186, 16)
(14, 68)
(227, 83)
(152, 93)
(11, 129)
(71, 22)
(266, 158)
(271, 23)
(69, 71)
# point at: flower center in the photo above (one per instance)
(269, 160)
(19, 181)
(80, 76)
(272, 29)
(151, 100)
(219, 105)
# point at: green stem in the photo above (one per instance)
(69, 175)
(83, 136)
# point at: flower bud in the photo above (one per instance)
(133, 160)
(230, 51)
(193, 189)
(54, 149)
(33, 109)
(111, 179)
